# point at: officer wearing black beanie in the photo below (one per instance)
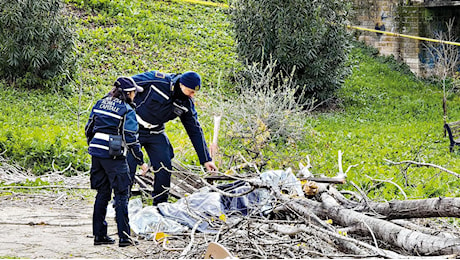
(165, 97)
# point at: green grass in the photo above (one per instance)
(384, 113)
(37, 128)
(115, 38)
(389, 115)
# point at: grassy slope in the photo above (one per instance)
(120, 38)
(386, 114)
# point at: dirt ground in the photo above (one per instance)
(54, 226)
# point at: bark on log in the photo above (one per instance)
(424, 208)
(427, 230)
(414, 242)
(404, 209)
(349, 244)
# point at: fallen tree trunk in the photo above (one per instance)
(406, 240)
(414, 242)
(311, 211)
(424, 208)
(310, 214)
(404, 209)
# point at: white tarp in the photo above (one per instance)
(207, 206)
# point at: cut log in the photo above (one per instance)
(414, 242)
(424, 208)
(403, 209)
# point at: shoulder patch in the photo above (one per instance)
(160, 75)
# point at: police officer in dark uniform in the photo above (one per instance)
(111, 131)
(166, 97)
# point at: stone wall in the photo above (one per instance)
(404, 17)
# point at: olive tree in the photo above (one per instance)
(307, 36)
(37, 42)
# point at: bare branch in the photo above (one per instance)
(388, 181)
(426, 165)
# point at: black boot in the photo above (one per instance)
(103, 240)
(127, 242)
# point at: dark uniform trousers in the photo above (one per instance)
(160, 152)
(108, 174)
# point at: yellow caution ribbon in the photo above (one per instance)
(200, 2)
(208, 3)
(403, 35)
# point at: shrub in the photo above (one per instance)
(309, 36)
(264, 122)
(37, 42)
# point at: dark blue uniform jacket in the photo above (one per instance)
(111, 116)
(156, 105)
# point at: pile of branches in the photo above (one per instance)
(325, 224)
(17, 183)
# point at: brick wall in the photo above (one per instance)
(404, 17)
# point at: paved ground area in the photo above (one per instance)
(36, 227)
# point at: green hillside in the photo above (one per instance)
(383, 111)
(388, 114)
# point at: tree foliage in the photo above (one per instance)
(309, 36)
(264, 121)
(37, 42)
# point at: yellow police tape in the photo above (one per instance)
(200, 2)
(403, 35)
(348, 26)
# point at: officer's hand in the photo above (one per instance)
(210, 166)
(144, 168)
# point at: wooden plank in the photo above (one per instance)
(145, 186)
(177, 191)
(191, 180)
(183, 173)
(183, 184)
(146, 182)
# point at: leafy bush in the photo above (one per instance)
(37, 42)
(263, 121)
(309, 36)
